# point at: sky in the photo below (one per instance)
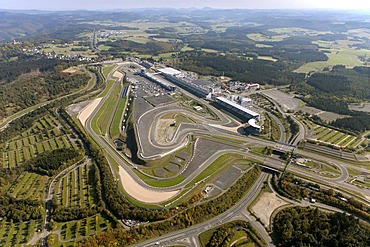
(221, 4)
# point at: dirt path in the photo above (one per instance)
(241, 238)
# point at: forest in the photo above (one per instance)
(31, 82)
(334, 90)
(342, 82)
(276, 73)
(152, 47)
(297, 226)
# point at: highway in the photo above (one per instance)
(229, 215)
(149, 148)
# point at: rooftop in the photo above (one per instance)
(170, 71)
(246, 110)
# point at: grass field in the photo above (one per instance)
(45, 135)
(100, 122)
(78, 229)
(325, 169)
(107, 69)
(59, 49)
(340, 53)
(241, 237)
(114, 129)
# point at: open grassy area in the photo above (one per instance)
(114, 129)
(160, 183)
(107, 69)
(330, 136)
(100, 122)
(29, 186)
(340, 53)
(77, 229)
(235, 236)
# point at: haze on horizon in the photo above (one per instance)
(219, 4)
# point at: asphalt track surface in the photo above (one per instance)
(148, 147)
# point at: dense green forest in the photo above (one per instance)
(342, 82)
(33, 82)
(298, 226)
(234, 40)
(277, 73)
(153, 47)
(334, 90)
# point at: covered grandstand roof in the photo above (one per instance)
(170, 71)
(239, 107)
(253, 122)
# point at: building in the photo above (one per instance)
(196, 89)
(200, 88)
(244, 113)
(158, 80)
(246, 102)
(170, 71)
(253, 127)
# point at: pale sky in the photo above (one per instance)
(221, 4)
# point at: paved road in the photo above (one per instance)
(229, 215)
(145, 131)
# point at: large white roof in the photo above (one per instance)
(253, 122)
(229, 102)
(170, 71)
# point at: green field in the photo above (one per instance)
(114, 129)
(101, 120)
(236, 236)
(325, 169)
(340, 53)
(78, 229)
(107, 69)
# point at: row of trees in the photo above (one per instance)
(294, 188)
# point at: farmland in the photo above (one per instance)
(339, 52)
(46, 134)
